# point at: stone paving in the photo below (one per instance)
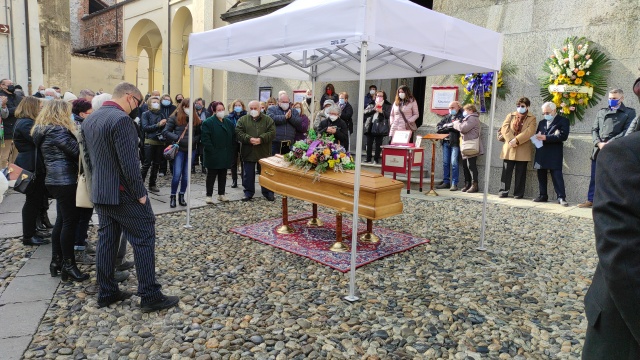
(241, 299)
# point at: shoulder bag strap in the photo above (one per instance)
(183, 132)
(403, 117)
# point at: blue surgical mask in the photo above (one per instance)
(453, 111)
(548, 117)
(614, 102)
(341, 101)
(166, 102)
(237, 109)
(48, 97)
(297, 110)
(522, 110)
(464, 113)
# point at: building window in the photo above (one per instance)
(96, 5)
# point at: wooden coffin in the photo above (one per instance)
(379, 195)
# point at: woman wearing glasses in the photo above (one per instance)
(517, 129)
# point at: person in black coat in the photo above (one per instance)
(203, 114)
(335, 126)
(553, 130)
(329, 94)
(370, 98)
(376, 125)
(611, 304)
(450, 147)
(13, 99)
(346, 110)
(27, 159)
(152, 123)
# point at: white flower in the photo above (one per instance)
(583, 51)
(588, 72)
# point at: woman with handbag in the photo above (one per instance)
(404, 112)
(470, 147)
(176, 131)
(27, 159)
(55, 133)
(517, 130)
(377, 117)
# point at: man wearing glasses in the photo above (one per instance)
(120, 199)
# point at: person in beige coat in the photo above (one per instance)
(517, 151)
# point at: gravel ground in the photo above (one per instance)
(241, 299)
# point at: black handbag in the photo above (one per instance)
(380, 127)
(21, 178)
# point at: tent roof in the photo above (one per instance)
(322, 39)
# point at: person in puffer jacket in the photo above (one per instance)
(287, 124)
(55, 134)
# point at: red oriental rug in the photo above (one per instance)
(314, 242)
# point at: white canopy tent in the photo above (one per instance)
(348, 40)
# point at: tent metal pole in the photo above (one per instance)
(190, 152)
(314, 75)
(356, 184)
(487, 167)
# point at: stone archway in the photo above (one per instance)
(181, 27)
(144, 36)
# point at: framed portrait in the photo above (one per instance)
(264, 93)
(401, 137)
(299, 95)
(441, 97)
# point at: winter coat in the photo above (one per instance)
(326, 97)
(23, 141)
(410, 111)
(234, 116)
(369, 114)
(264, 128)
(172, 132)
(445, 126)
(346, 114)
(59, 148)
(13, 100)
(167, 111)
(524, 150)
(342, 133)
(149, 124)
(218, 140)
(304, 124)
(285, 128)
(550, 156)
(609, 125)
(469, 129)
(368, 100)
(320, 117)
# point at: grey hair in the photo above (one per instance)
(125, 88)
(98, 100)
(335, 109)
(548, 105)
(282, 93)
(253, 101)
(616, 91)
(86, 92)
(52, 91)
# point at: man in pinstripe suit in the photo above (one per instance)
(120, 199)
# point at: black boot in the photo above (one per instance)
(39, 225)
(204, 170)
(172, 201)
(44, 218)
(56, 265)
(193, 169)
(234, 183)
(70, 271)
(181, 200)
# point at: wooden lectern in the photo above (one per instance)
(433, 138)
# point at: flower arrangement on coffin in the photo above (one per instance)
(477, 87)
(577, 77)
(320, 154)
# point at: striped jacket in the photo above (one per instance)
(112, 144)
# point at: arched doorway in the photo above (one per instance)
(181, 27)
(143, 56)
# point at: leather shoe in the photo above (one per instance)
(453, 187)
(518, 196)
(443, 186)
(163, 302)
(586, 204)
(270, 197)
(119, 296)
(154, 189)
(246, 198)
(504, 195)
(125, 266)
(234, 184)
(541, 199)
(120, 276)
(43, 234)
(35, 241)
(563, 202)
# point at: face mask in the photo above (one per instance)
(166, 102)
(372, 92)
(155, 106)
(308, 100)
(48, 97)
(402, 95)
(11, 88)
(548, 117)
(522, 110)
(237, 109)
(297, 110)
(333, 117)
(41, 92)
(187, 111)
(379, 99)
(179, 101)
(453, 111)
(329, 92)
(73, 118)
(284, 106)
(220, 114)
(254, 113)
(134, 113)
(464, 113)
(341, 101)
(614, 102)
(198, 107)
(263, 110)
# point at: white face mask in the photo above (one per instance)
(220, 114)
(284, 106)
(333, 117)
(372, 92)
(187, 111)
(402, 95)
(254, 113)
(155, 106)
(41, 92)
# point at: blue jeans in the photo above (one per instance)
(450, 155)
(592, 182)
(180, 172)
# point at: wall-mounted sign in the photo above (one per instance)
(5, 29)
(441, 97)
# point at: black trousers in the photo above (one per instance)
(63, 235)
(84, 216)
(137, 223)
(378, 150)
(212, 174)
(556, 178)
(521, 176)
(234, 162)
(249, 180)
(32, 206)
(152, 159)
(470, 170)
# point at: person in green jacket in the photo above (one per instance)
(218, 139)
(255, 132)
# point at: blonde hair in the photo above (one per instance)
(302, 110)
(29, 108)
(57, 113)
(471, 107)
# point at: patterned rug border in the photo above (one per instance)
(292, 218)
